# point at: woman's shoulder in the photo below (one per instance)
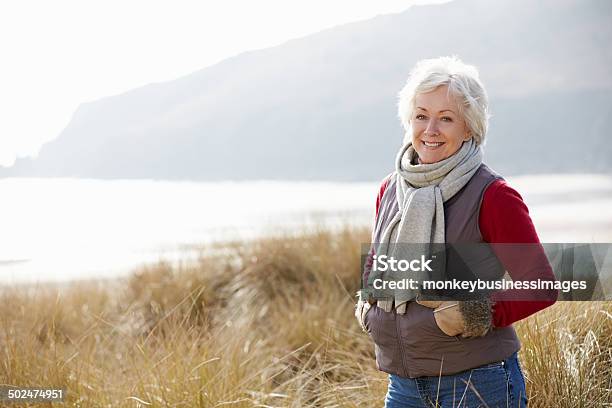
(499, 192)
(383, 187)
(497, 189)
(504, 216)
(385, 182)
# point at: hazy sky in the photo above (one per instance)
(58, 54)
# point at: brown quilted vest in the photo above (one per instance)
(411, 344)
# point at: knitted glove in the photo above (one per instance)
(477, 317)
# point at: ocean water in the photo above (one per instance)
(68, 229)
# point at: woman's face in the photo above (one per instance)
(437, 129)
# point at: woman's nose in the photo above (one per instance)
(432, 128)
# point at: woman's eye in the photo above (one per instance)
(447, 119)
(419, 116)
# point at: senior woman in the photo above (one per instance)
(448, 353)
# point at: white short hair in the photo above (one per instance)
(463, 83)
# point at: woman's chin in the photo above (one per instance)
(430, 158)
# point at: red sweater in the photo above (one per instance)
(504, 218)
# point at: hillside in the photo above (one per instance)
(323, 106)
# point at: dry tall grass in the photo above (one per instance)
(265, 323)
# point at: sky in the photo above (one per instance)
(59, 54)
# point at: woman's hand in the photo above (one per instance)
(432, 304)
(361, 309)
(470, 318)
(449, 319)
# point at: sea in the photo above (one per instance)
(63, 229)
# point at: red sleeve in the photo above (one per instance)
(504, 219)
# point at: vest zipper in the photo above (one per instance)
(399, 342)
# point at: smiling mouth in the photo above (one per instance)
(432, 144)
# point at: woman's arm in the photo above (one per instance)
(370, 257)
(504, 218)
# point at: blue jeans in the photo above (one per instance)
(496, 385)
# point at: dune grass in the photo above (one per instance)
(265, 323)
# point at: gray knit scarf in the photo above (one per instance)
(421, 191)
